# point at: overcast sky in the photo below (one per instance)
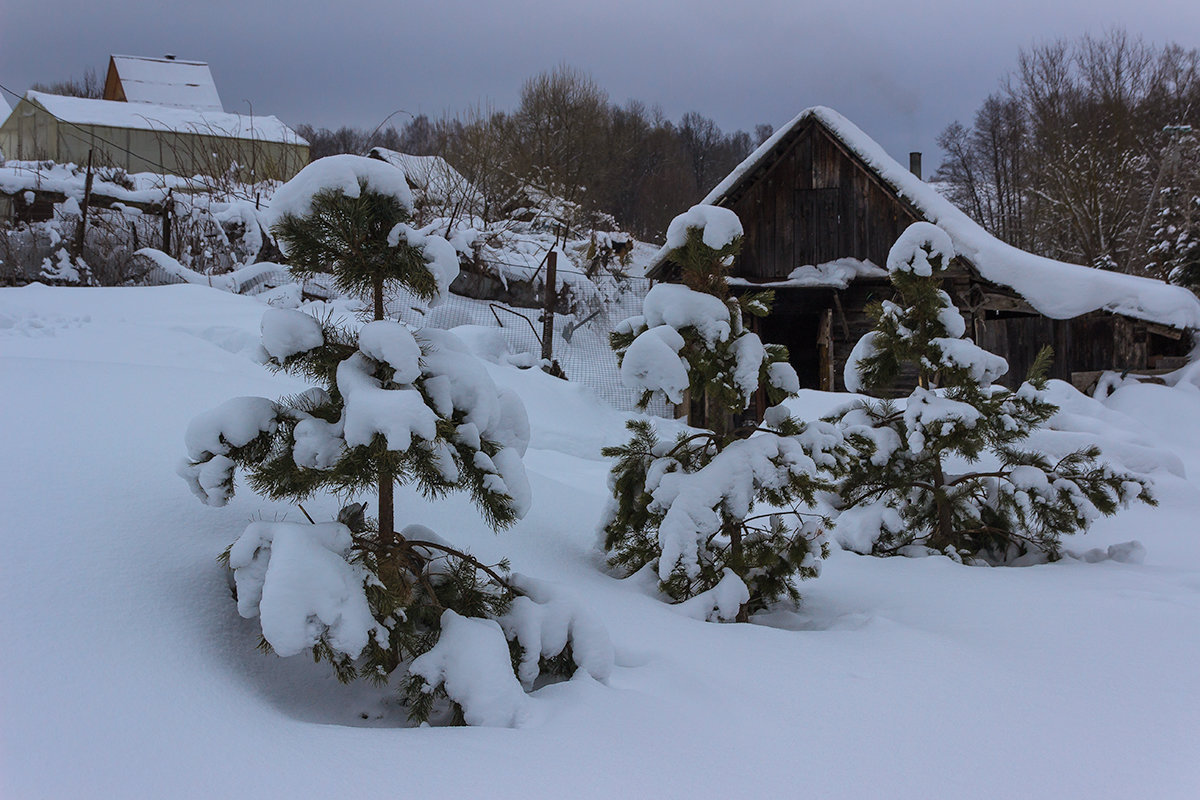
(902, 71)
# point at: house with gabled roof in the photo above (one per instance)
(821, 204)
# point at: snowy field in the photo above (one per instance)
(126, 671)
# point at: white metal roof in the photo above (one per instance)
(141, 116)
(167, 82)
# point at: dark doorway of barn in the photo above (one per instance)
(799, 331)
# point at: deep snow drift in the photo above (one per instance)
(127, 672)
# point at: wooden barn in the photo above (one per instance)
(821, 204)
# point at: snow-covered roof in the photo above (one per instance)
(5, 110)
(141, 116)
(1054, 288)
(167, 82)
(432, 175)
(19, 176)
(830, 275)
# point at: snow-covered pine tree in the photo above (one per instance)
(1174, 242)
(388, 406)
(903, 484)
(686, 506)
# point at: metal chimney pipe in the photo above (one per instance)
(914, 164)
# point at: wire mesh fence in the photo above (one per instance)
(581, 339)
(587, 357)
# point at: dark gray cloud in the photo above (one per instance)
(902, 71)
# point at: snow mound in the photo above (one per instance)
(720, 226)
(234, 423)
(544, 622)
(389, 342)
(912, 250)
(472, 663)
(396, 414)
(653, 364)
(837, 274)
(680, 307)
(244, 280)
(720, 603)
(863, 349)
(730, 481)
(340, 172)
(441, 259)
(296, 580)
(286, 332)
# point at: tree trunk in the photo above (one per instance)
(737, 562)
(716, 419)
(378, 297)
(944, 535)
(387, 511)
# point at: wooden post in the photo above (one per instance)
(825, 350)
(549, 301)
(168, 203)
(83, 212)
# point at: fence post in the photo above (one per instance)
(87, 199)
(166, 225)
(549, 300)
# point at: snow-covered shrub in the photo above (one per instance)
(65, 271)
(903, 484)
(389, 406)
(686, 506)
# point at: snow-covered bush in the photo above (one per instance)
(686, 506)
(905, 483)
(389, 406)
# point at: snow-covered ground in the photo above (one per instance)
(126, 672)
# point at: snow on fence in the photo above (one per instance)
(580, 345)
(250, 279)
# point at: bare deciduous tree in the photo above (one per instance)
(1065, 159)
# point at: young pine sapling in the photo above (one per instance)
(686, 506)
(905, 482)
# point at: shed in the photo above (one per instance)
(166, 81)
(140, 137)
(822, 203)
(440, 189)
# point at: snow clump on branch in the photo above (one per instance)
(720, 227)
(344, 172)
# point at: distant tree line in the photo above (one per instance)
(89, 86)
(568, 138)
(1089, 153)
